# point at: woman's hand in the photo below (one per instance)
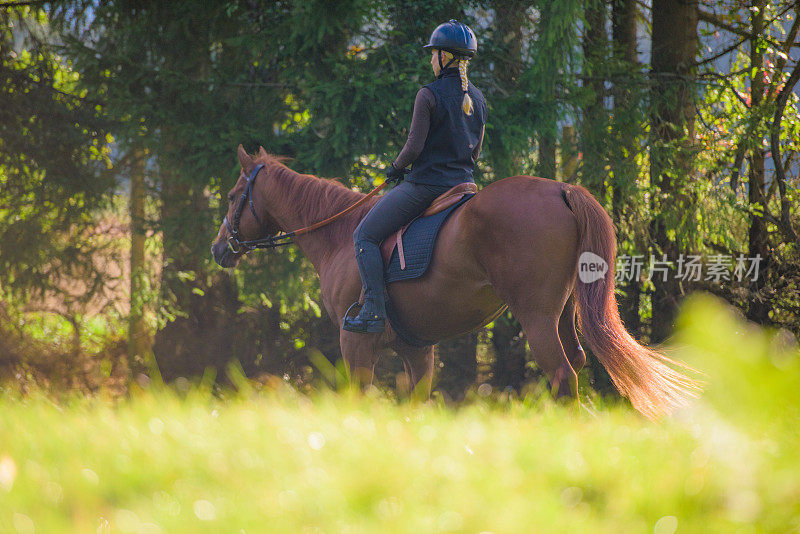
(393, 174)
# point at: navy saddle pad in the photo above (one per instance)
(418, 241)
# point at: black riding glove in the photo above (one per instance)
(393, 174)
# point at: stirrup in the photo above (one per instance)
(360, 325)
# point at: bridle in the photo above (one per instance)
(236, 244)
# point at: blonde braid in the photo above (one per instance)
(466, 105)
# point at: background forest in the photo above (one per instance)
(119, 123)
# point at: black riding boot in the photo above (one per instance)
(371, 317)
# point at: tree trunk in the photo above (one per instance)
(548, 127)
(758, 308)
(138, 342)
(626, 119)
(201, 306)
(569, 154)
(546, 167)
(593, 128)
(674, 47)
(625, 131)
(509, 17)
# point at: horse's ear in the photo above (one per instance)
(244, 158)
(261, 151)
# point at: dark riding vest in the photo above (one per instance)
(446, 157)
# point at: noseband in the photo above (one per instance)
(234, 242)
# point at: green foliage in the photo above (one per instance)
(53, 166)
(331, 84)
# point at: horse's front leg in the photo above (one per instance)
(360, 353)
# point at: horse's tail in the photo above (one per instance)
(639, 373)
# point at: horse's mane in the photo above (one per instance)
(320, 198)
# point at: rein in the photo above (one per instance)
(237, 245)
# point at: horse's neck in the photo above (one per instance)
(298, 200)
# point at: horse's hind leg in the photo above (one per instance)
(542, 333)
(418, 363)
(545, 312)
(569, 336)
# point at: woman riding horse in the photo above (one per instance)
(443, 144)
(522, 242)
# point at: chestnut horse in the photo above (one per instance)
(515, 244)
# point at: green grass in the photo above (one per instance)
(273, 460)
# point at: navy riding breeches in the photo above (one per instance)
(394, 210)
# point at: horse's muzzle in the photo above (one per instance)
(223, 254)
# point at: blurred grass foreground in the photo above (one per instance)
(274, 460)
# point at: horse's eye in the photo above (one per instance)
(230, 197)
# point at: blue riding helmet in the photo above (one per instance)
(455, 37)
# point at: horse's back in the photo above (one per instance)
(537, 202)
(512, 228)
